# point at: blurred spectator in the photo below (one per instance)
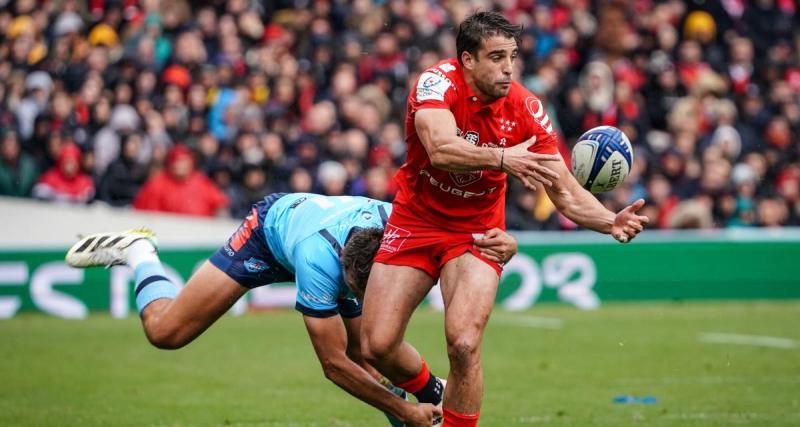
(283, 96)
(65, 182)
(253, 188)
(124, 176)
(181, 189)
(376, 185)
(18, 172)
(300, 181)
(332, 178)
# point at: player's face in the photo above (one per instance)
(492, 67)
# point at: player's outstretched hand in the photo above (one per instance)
(423, 415)
(496, 245)
(627, 223)
(529, 167)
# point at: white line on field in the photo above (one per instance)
(755, 340)
(529, 321)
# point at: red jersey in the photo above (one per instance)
(466, 201)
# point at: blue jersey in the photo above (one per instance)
(306, 232)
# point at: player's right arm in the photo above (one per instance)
(317, 275)
(329, 338)
(437, 129)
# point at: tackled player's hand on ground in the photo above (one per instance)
(423, 415)
(529, 167)
(627, 223)
(496, 245)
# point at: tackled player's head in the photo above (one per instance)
(486, 45)
(357, 257)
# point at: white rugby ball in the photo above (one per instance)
(602, 158)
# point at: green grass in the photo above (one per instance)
(260, 370)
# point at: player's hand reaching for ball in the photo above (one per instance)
(496, 245)
(627, 223)
(423, 415)
(529, 167)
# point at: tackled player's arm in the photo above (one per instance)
(329, 338)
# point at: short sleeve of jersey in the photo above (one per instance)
(317, 272)
(540, 126)
(432, 90)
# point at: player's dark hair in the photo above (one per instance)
(480, 26)
(358, 254)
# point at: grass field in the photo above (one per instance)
(552, 366)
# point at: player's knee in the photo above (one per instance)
(375, 349)
(464, 350)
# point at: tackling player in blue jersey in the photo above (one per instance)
(324, 244)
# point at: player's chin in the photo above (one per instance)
(502, 89)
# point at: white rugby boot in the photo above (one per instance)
(106, 249)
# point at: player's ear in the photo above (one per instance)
(468, 60)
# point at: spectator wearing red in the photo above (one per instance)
(66, 182)
(181, 189)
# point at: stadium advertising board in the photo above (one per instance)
(576, 268)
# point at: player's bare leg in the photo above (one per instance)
(209, 293)
(393, 292)
(170, 319)
(469, 287)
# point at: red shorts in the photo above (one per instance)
(409, 241)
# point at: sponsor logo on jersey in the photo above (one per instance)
(393, 238)
(244, 231)
(325, 299)
(352, 300)
(297, 202)
(432, 86)
(539, 114)
(472, 137)
(447, 67)
(255, 265)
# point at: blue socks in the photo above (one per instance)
(152, 284)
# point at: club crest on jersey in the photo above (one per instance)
(539, 114)
(255, 265)
(465, 178)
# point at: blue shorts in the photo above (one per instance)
(246, 258)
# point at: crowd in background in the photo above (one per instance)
(203, 108)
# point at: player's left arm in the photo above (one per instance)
(579, 205)
(330, 340)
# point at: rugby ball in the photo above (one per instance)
(602, 158)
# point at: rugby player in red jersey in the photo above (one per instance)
(468, 126)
